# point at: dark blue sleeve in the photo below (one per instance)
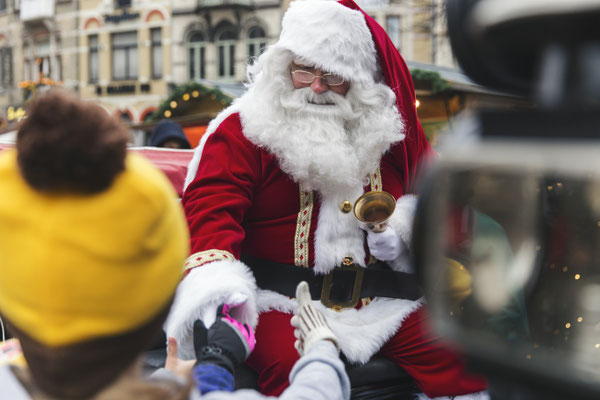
(211, 377)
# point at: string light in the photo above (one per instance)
(568, 325)
(186, 96)
(579, 319)
(173, 104)
(195, 93)
(549, 187)
(565, 269)
(168, 113)
(577, 276)
(417, 103)
(597, 345)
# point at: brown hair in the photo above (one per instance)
(66, 144)
(82, 370)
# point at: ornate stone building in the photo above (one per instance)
(129, 55)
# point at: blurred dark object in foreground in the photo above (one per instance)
(513, 205)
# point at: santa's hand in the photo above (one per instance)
(386, 245)
(310, 324)
(226, 343)
(209, 314)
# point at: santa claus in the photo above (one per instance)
(329, 114)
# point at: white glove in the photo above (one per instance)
(310, 324)
(386, 245)
(209, 314)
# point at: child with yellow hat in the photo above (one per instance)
(92, 241)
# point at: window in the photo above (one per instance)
(196, 56)
(124, 56)
(256, 42)
(2, 5)
(392, 23)
(156, 52)
(226, 39)
(94, 60)
(122, 3)
(6, 67)
(58, 70)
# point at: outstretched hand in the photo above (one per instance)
(179, 367)
(310, 324)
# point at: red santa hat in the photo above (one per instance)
(330, 36)
(340, 37)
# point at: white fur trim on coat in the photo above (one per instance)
(330, 36)
(360, 333)
(212, 127)
(210, 285)
(338, 234)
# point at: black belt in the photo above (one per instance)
(343, 287)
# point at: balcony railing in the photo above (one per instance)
(224, 3)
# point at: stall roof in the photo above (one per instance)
(455, 77)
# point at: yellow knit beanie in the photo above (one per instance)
(75, 266)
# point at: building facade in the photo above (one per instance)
(124, 57)
(128, 55)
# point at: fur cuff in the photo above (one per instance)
(209, 285)
(403, 217)
(402, 222)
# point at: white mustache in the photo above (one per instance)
(329, 103)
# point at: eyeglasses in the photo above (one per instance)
(308, 77)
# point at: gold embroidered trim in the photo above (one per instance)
(376, 183)
(203, 257)
(303, 228)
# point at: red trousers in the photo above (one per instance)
(435, 367)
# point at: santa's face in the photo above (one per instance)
(319, 82)
(327, 140)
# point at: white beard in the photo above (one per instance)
(327, 142)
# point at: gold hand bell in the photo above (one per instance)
(374, 209)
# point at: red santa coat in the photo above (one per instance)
(241, 202)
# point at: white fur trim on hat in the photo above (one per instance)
(332, 37)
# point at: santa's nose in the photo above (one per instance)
(318, 86)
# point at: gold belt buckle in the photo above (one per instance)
(347, 265)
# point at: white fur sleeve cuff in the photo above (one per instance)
(401, 222)
(219, 282)
(403, 217)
